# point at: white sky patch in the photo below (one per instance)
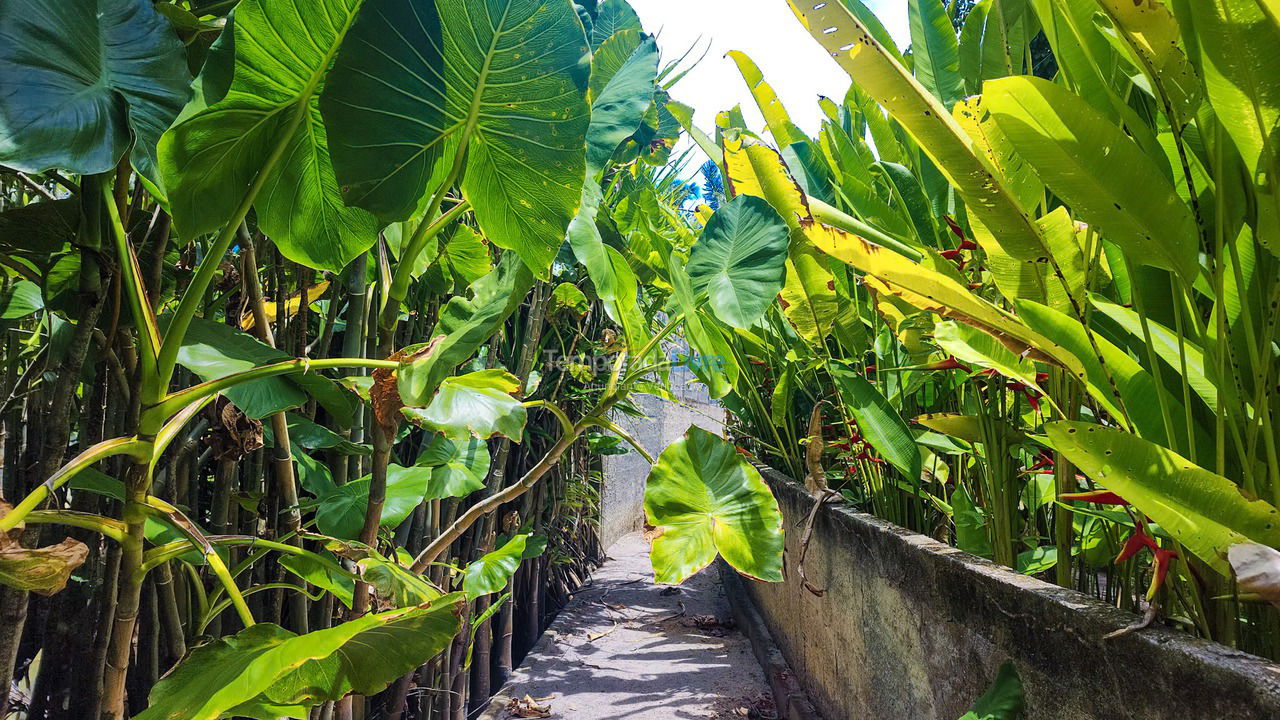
(797, 68)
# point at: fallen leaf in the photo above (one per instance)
(528, 707)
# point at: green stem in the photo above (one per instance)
(178, 400)
(209, 264)
(139, 449)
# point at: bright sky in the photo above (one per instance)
(767, 31)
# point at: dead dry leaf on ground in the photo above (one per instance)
(528, 707)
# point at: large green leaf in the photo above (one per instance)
(620, 96)
(1136, 387)
(85, 81)
(880, 423)
(1204, 511)
(702, 497)
(465, 324)
(721, 373)
(1004, 700)
(283, 49)
(341, 513)
(935, 50)
(624, 94)
(1097, 169)
(213, 350)
(490, 573)
(500, 81)
(477, 404)
(458, 467)
(20, 299)
(266, 669)
(1238, 43)
(739, 261)
(612, 16)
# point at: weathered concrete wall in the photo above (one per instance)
(911, 629)
(622, 494)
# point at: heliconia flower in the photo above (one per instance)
(1099, 497)
(953, 256)
(949, 363)
(1164, 559)
(871, 370)
(1134, 545)
(1045, 462)
(955, 227)
(1042, 377)
(968, 245)
(975, 286)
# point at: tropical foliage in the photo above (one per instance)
(302, 304)
(1030, 293)
(281, 279)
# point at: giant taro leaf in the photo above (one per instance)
(1204, 511)
(739, 261)
(703, 498)
(458, 467)
(267, 671)
(612, 16)
(477, 404)
(419, 84)
(621, 89)
(341, 512)
(465, 323)
(85, 81)
(270, 120)
(490, 573)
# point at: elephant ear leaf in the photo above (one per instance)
(85, 81)
(490, 573)
(478, 403)
(267, 671)
(740, 261)
(703, 498)
(500, 83)
(1204, 511)
(265, 138)
(613, 16)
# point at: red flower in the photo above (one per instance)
(1099, 497)
(949, 364)
(1163, 559)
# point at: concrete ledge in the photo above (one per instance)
(913, 629)
(788, 696)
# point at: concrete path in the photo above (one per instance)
(626, 648)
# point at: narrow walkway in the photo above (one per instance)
(626, 648)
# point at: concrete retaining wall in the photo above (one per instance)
(622, 494)
(912, 629)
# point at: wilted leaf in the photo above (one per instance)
(1257, 569)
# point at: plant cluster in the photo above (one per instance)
(279, 276)
(1028, 278)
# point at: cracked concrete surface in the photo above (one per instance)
(627, 648)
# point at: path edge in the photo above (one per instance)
(789, 698)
